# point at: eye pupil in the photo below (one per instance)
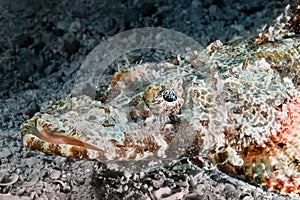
(169, 95)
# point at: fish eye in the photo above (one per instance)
(169, 95)
(164, 99)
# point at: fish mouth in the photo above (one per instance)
(51, 143)
(62, 139)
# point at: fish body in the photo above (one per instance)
(236, 104)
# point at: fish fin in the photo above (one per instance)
(287, 24)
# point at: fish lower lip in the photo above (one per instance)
(61, 139)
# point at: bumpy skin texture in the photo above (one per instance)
(236, 105)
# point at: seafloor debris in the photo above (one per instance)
(239, 107)
(6, 180)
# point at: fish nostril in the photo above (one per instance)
(169, 95)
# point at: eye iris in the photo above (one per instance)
(169, 95)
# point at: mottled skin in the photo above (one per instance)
(235, 104)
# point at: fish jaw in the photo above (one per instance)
(35, 143)
(40, 133)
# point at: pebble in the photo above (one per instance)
(229, 187)
(142, 174)
(162, 191)
(200, 188)
(21, 191)
(75, 27)
(8, 180)
(157, 183)
(5, 153)
(144, 186)
(178, 195)
(55, 175)
(62, 25)
(182, 183)
(64, 185)
(125, 188)
(248, 198)
(127, 174)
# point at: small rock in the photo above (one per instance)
(63, 25)
(127, 174)
(9, 180)
(21, 191)
(177, 195)
(229, 187)
(245, 196)
(162, 191)
(55, 175)
(75, 27)
(145, 186)
(248, 198)
(200, 188)
(5, 153)
(182, 183)
(142, 174)
(157, 183)
(64, 185)
(125, 188)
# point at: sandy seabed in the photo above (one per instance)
(43, 44)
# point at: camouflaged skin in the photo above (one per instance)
(235, 104)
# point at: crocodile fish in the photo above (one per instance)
(236, 104)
